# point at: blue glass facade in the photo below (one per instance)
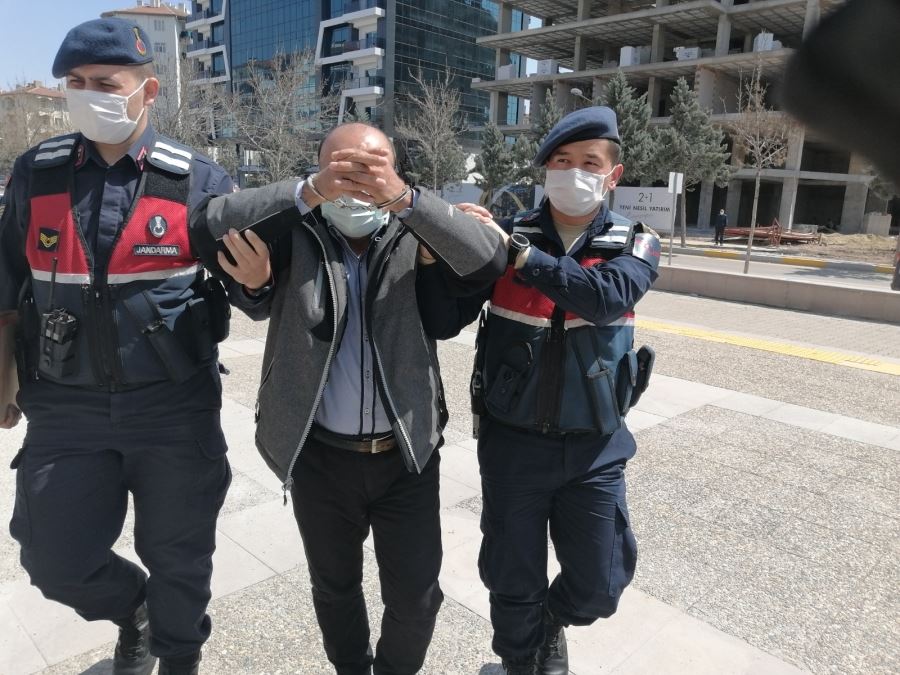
(261, 28)
(435, 35)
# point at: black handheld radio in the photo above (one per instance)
(58, 330)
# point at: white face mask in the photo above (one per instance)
(575, 192)
(101, 117)
(353, 218)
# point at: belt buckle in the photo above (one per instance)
(374, 449)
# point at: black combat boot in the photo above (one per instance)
(132, 655)
(181, 665)
(520, 666)
(553, 656)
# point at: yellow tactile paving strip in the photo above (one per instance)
(791, 260)
(786, 348)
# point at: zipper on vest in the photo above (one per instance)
(550, 378)
(115, 362)
(90, 299)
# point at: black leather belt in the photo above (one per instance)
(367, 444)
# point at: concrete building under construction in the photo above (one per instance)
(580, 44)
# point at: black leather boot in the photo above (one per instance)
(523, 666)
(132, 655)
(181, 665)
(553, 656)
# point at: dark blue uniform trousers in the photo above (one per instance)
(70, 508)
(576, 484)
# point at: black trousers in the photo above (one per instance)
(720, 235)
(337, 496)
(70, 508)
(576, 486)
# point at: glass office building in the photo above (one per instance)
(259, 29)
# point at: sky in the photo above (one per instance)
(32, 30)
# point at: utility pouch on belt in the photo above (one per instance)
(510, 376)
(57, 344)
(168, 348)
(645, 359)
(628, 372)
(217, 307)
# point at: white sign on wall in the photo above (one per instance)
(652, 206)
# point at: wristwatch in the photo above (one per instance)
(518, 242)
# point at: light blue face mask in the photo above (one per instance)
(353, 218)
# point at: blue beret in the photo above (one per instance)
(582, 125)
(105, 41)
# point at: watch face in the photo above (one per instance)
(520, 241)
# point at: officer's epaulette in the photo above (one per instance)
(616, 233)
(170, 156)
(527, 222)
(54, 151)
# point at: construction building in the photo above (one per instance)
(580, 44)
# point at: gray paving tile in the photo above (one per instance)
(779, 377)
(673, 576)
(604, 646)
(56, 631)
(269, 531)
(860, 430)
(244, 493)
(461, 465)
(868, 496)
(235, 568)
(708, 654)
(18, 653)
(453, 492)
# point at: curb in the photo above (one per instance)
(826, 299)
(787, 260)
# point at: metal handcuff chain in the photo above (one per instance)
(390, 202)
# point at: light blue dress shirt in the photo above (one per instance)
(351, 404)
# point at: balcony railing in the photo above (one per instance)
(197, 45)
(209, 74)
(207, 13)
(357, 5)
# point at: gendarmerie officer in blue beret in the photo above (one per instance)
(118, 361)
(555, 374)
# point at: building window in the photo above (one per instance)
(159, 25)
(159, 47)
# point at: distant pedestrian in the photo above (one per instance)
(721, 223)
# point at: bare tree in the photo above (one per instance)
(277, 113)
(761, 136)
(26, 119)
(430, 127)
(881, 189)
(187, 118)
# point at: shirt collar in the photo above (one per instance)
(595, 227)
(137, 152)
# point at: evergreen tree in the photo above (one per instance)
(494, 163)
(527, 145)
(691, 145)
(639, 144)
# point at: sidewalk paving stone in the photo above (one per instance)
(761, 508)
(269, 531)
(18, 652)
